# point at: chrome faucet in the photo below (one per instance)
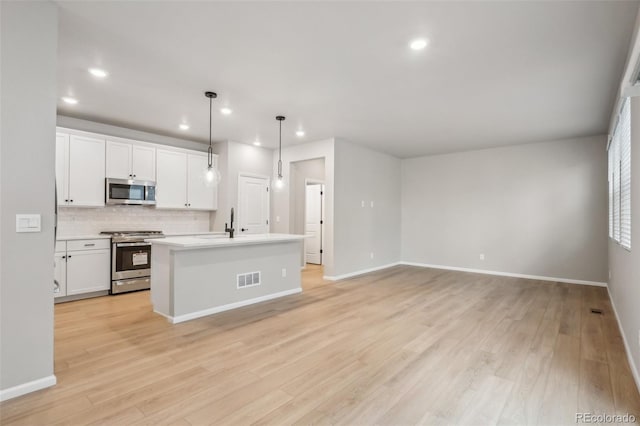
(227, 229)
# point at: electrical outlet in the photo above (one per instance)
(372, 204)
(277, 219)
(481, 256)
(362, 203)
(371, 254)
(284, 272)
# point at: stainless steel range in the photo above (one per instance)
(131, 260)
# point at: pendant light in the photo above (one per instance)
(212, 175)
(280, 179)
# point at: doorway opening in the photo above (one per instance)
(307, 189)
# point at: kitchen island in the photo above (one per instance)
(196, 276)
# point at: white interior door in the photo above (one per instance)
(253, 205)
(313, 223)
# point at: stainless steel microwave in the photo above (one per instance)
(131, 192)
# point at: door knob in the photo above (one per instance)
(244, 229)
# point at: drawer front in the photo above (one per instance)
(61, 246)
(88, 245)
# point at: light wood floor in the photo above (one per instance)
(401, 346)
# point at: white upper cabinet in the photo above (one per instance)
(84, 160)
(118, 160)
(62, 168)
(86, 171)
(126, 160)
(143, 159)
(171, 179)
(180, 181)
(80, 170)
(199, 195)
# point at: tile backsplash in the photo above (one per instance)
(81, 221)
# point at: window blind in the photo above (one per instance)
(624, 141)
(615, 148)
(610, 187)
(620, 178)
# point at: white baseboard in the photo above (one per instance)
(507, 274)
(360, 272)
(627, 348)
(28, 387)
(205, 312)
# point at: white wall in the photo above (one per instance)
(236, 158)
(537, 209)
(29, 32)
(281, 220)
(365, 175)
(624, 285)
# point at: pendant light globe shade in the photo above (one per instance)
(279, 182)
(212, 175)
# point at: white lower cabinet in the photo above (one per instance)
(84, 267)
(60, 272)
(87, 271)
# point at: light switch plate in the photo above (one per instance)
(28, 223)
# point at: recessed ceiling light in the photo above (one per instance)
(69, 100)
(184, 126)
(257, 143)
(418, 44)
(300, 133)
(226, 111)
(97, 72)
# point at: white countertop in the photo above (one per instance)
(222, 240)
(190, 234)
(106, 237)
(83, 237)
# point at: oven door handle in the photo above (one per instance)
(133, 244)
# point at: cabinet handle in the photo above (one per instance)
(134, 175)
(64, 257)
(90, 245)
(69, 257)
(71, 201)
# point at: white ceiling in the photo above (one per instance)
(494, 73)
